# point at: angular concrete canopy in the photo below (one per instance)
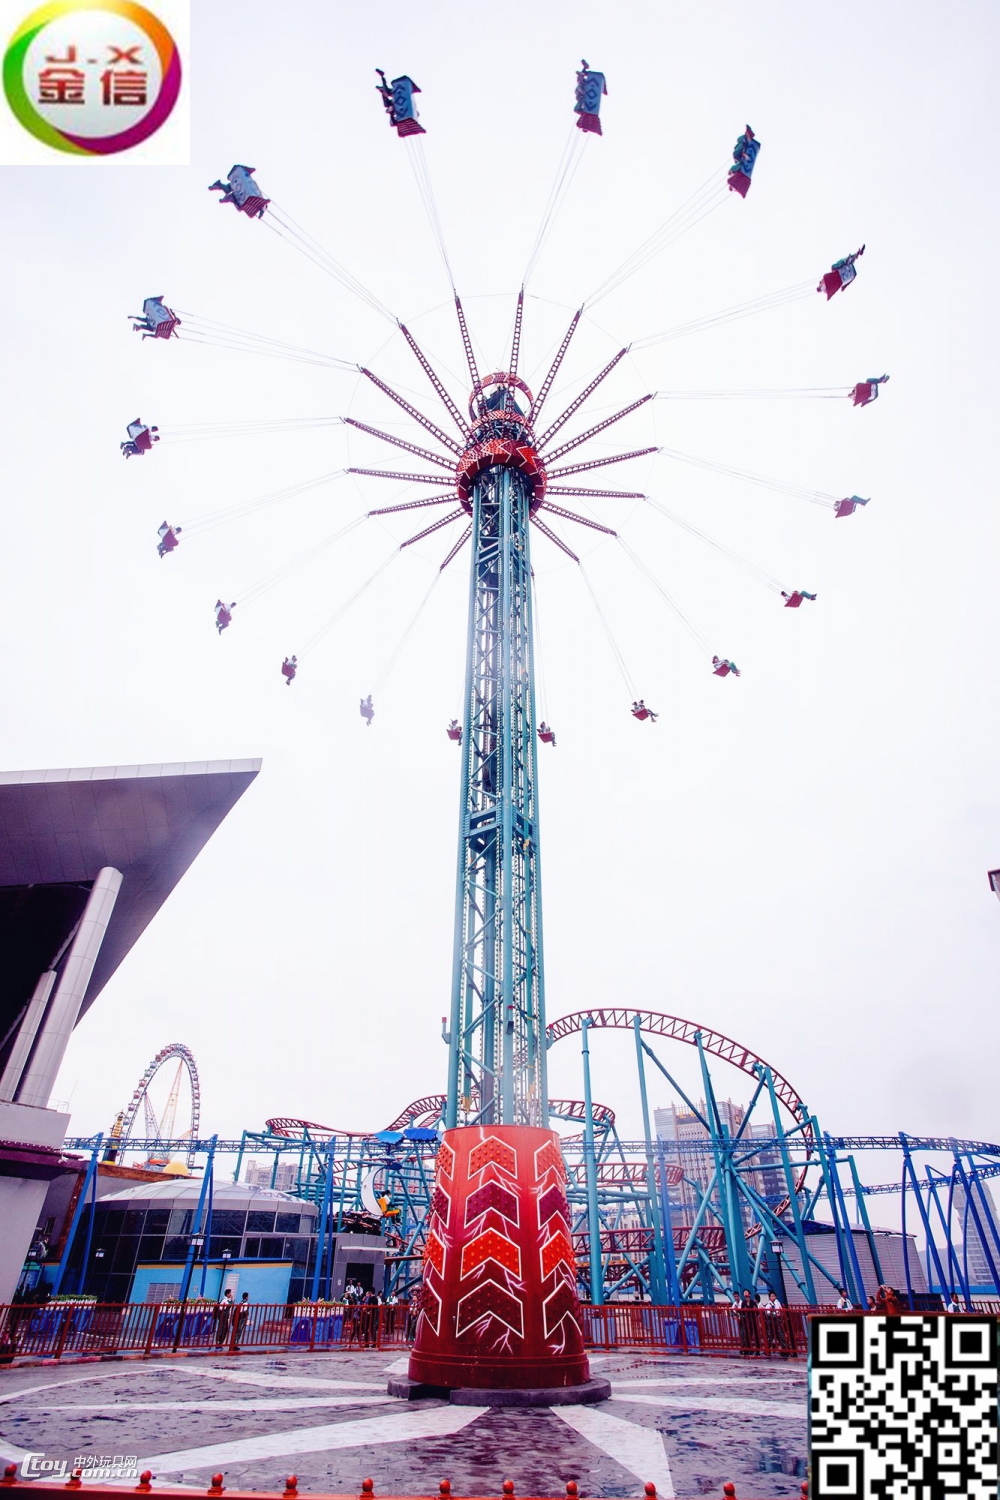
(59, 829)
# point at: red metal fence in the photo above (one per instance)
(697, 1329)
(42, 1490)
(55, 1329)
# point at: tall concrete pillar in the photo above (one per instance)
(63, 1009)
(26, 1033)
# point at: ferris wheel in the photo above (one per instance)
(159, 1124)
(554, 450)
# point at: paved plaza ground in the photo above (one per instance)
(685, 1424)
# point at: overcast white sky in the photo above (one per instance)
(797, 858)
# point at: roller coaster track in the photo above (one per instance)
(675, 1029)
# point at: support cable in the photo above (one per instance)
(536, 621)
(198, 525)
(566, 170)
(197, 432)
(615, 649)
(703, 201)
(383, 677)
(315, 639)
(256, 591)
(286, 228)
(815, 497)
(792, 393)
(766, 303)
(752, 569)
(210, 330)
(700, 640)
(425, 187)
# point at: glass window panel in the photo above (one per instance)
(259, 1223)
(218, 1243)
(125, 1254)
(286, 1223)
(228, 1221)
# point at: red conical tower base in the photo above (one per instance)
(499, 1309)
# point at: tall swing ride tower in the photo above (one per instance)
(496, 1038)
(499, 1295)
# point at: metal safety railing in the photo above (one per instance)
(54, 1329)
(698, 1329)
(44, 1490)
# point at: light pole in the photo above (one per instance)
(778, 1251)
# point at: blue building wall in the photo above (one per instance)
(265, 1280)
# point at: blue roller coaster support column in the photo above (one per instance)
(196, 1231)
(740, 1273)
(323, 1224)
(790, 1189)
(89, 1184)
(497, 1073)
(859, 1195)
(839, 1204)
(590, 1168)
(855, 1292)
(971, 1183)
(662, 1269)
(909, 1172)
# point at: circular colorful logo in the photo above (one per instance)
(92, 77)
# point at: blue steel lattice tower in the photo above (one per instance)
(497, 1069)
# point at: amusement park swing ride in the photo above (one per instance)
(504, 1223)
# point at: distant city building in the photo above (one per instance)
(688, 1144)
(968, 1240)
(265, 1175)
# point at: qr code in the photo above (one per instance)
(903, 1408)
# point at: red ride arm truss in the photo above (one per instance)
(583, 396)
(457, 547)
(539, 400)
(406, 478)
(553, 538)
(515, 347)
(568, 489)
(571, 515)
(436, 526)
(599, 463)
(387, 510)
(593, 431)
(470, 358)
(387, 437)
(417, 416)
(432, 376)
